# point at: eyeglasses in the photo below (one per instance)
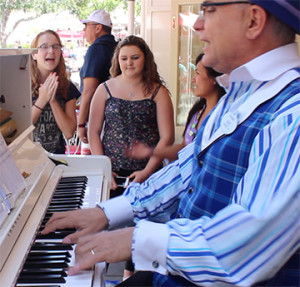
(89, 23)
(46, 47)
(210, 6)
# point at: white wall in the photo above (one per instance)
(155, 29)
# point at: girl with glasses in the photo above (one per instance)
(53, 94)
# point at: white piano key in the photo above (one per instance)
(87, 278)
(93, 194)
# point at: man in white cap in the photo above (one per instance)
(97, 62)
(226, 213)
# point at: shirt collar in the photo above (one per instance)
(103, 37)
(268, 66)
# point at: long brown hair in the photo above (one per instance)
(150, 73)
(202, 102)
(64, 81)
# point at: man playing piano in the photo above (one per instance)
(227, 211)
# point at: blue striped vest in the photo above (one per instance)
(216, 173)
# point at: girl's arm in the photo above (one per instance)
(143, 151)
(165, 122)
(96, 120)
(65, 119)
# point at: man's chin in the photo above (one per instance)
(207, 60)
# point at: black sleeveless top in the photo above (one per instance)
(126, 122)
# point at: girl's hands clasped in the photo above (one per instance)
(47, 90)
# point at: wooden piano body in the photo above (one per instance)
(18, 230)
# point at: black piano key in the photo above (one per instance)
(69, 185)
(50, 278)
(63, 195)
(45, 264)
(54, 235)
(63, 208)
(67, 193)
(73, 179)
(70, 190)
(59, 208)
(68, 196)
(70, 207)
(21, 285)
(50, 252)
(58, 204)
(51, 246)
(71, 193)
(72, 186)
(74, 183)
(66, 201)
(66, 205)
(45, 271)
(47, 261)
(48, 256)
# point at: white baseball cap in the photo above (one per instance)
(99, 16)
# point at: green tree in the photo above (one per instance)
(33, 9)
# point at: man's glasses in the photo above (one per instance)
(89, 23)
(46, 47)
(210, 6)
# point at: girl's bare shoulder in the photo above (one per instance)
(113, 81)
(163, 92)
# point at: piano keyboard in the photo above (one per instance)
(48, 259)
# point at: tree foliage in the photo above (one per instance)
(35, 8)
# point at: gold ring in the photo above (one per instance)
(92, 251)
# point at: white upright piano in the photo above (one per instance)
(34, 184)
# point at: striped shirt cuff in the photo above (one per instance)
(118, 211)
(149, 246)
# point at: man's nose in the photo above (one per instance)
(199, 24)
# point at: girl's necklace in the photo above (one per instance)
(194, 125)
(131, 94)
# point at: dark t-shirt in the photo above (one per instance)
(46, 129)
(97, 60)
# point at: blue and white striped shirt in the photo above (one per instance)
(231, 203)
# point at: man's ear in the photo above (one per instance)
(256, 22)
(98, 28)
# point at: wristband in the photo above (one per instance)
(81, 125)
(38, 107)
